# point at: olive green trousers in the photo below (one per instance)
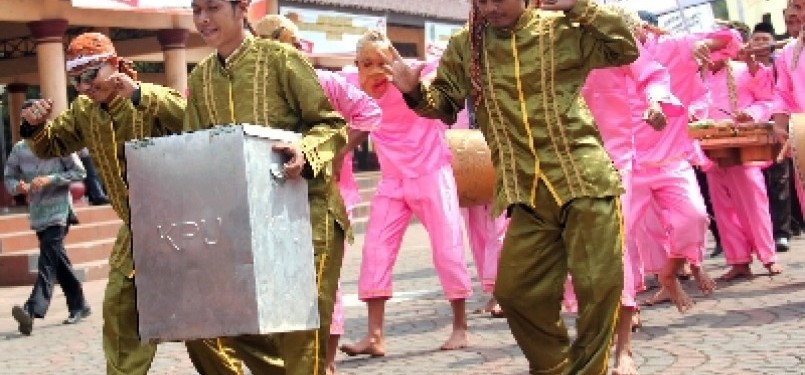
(543, 244)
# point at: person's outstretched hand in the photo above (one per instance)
(556, 4)
(37, 113)
(404, 77)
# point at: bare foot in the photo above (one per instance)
(658, 298)
(685, 273)
(497, 312)
(491, 304)
(636, 322)
(703, 280)
(674, 289)
(458, 340)
(624, 365)
(737, 271)
(774, 268)
(373, 347)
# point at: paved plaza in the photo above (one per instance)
(748, 327)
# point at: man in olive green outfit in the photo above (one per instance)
(264, 82)
(112, 108)
(524, 68)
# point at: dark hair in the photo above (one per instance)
(648, 17)
(763, 27)
(27, 103)
(246, 24)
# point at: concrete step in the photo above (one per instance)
(367, 180)
(367, 194)
(359, 225)
(19, 222)
(26, 240)
(16, 270)
(15, 222)
(93, 270)
(361, 210)
(78, 253)
(89, 214)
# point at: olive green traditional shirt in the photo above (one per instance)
(271, 84)
(531, 114)
(104, 130)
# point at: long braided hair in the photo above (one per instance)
(477, 28)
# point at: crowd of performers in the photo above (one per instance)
(585, 109)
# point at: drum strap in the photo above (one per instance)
(732, 88)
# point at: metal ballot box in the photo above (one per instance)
(222, 243)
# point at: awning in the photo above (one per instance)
(181, 6)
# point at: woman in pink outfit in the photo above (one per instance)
(741, 93)
(416, 179)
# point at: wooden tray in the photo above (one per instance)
(743, 140)
(735, 145)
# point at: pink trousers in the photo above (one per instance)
(486, 238)
(741, 207)
(633, 273)
(667, 216)
(348, 188)
(432, 198)
(337, 324)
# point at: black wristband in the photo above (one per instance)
(27, 130)
(307, 170)
(136, 97)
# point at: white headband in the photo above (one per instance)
(83, 60)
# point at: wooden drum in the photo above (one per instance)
(472, 167)
(796, 130)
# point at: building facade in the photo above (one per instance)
(164, 44)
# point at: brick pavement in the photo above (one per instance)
(749, 327)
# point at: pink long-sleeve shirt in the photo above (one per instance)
(407, 145)
(618, 98)
(790, 88)
(675, 52)
(361, 112)
(754, 93)
(359, 109)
